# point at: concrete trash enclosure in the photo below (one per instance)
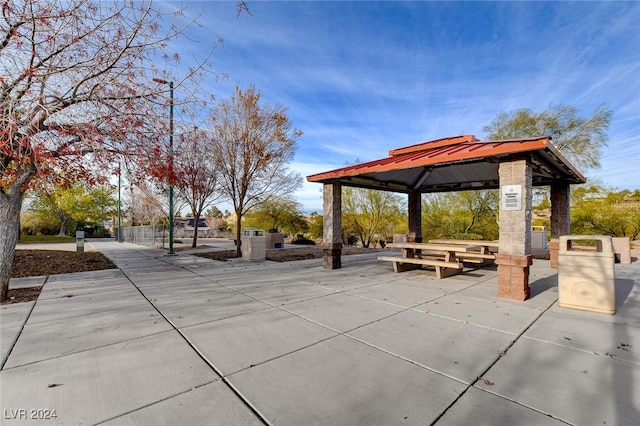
(622, 249)
(274, 240)
(586, 276)
(253, 245)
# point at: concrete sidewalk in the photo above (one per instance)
(187, 340)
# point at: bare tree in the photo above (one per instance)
(75, 87)
(144, 203)
(253, 145)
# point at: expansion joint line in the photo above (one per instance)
(15, 340)
(500, 355)
(224, 379)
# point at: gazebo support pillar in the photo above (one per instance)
(415, 217)
(560, 219)
(332, 226)
(514, 252)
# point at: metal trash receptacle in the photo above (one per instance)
(539, 237)
(586, 277)
(253, 245)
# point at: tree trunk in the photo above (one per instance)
(63, 228)
(196, 219)
(366, 243)
(238, 234)
(10, 206)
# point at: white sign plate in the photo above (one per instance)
(512, 197)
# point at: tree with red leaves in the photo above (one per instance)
(76, 95)
(196, 176)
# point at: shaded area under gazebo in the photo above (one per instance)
(462, 163)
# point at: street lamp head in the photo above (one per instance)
(159, 80)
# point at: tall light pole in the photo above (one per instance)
(118, 237)
(170, 83)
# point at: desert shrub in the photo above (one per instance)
(301, 240)
(467, 237)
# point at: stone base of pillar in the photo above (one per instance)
(332, 255)
(513, 276)
(554, 247)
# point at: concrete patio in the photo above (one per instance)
(187, 340)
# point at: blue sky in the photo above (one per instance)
(361, 78)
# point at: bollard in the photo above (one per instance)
(79, 241)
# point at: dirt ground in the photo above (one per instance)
(290, 254)
(33, 263)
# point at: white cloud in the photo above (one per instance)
(361, 78)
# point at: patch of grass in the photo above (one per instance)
(45, 239)
(30, 263)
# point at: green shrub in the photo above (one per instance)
(32, 224)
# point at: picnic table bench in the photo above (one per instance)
(445, 258)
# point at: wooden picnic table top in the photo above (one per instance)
(466, 242)
(435, 247)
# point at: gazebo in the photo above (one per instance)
(462, 163)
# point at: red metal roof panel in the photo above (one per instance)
(452, 150)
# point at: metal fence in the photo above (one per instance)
(202, 233)
(147, 235)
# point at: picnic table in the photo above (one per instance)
(445, 258)
(484, 256)
(485, 246)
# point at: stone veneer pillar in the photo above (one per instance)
(332, 226)
(514, 252)
(560, 219)
(415, 217)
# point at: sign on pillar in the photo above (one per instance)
(514, 254)
(512, 197)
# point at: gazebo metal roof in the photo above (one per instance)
(455, 164)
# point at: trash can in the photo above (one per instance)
(539, 237)
(586, 275)
(253, 245)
